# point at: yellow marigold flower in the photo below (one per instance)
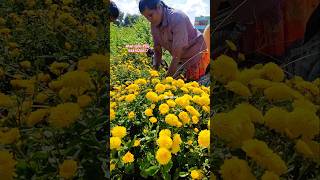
(196, 174)
(57, 68)
(132, 87)
(273, 72)
(276, 118)
(119, 131)
(115, 143)
(196, 130)
(308, 86)
(259, 151)
(161, 97)
(234, 127)
(164, 142)
(131, 115)
(303, 118)
(203, 100)
(128, 157)
(171, 103)
(238, 88)
(169, 94)
(192, 111)
(86, 65)
(68, 169)
(184, 89)
(304, 103)
(41, 97)
(84, 100)
(36, 116)
(153, 106)
(261, 83)
(7, 165)
(231, 45)
(130, 98)
(112, 167)
(152, 96)
(172, 120)
(148, 112)
(224, 69)
(278, 92)
(77, 80)
(204, 138)
(247, 75)
(235, 168)
(25, 64)
(56, 85)
(154, 73)
(23, 84)
(9, 136)
(163, 156)
(155, 81)
(5, 101)
(176, 144)
(206, 109)
(153, 120)
(160, 88)
(140, 81)
(269, 175)
(254, 114)
(165, 132)
(182, 101)
(136, 143)
(195, 119)
(164, 109)
(113, 104)
(303, 148)
(178, 83)
(112, 114)
(66, 93)
(314, 146)
(64, 115)
(184, 116)
(197, 91)
(168, 80)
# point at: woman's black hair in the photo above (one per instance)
(113, 10)
(150, 4)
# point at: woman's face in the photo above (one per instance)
(154, 16)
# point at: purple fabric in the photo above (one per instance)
(176, 30)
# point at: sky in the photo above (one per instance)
(192, 8)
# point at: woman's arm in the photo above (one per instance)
(157, 57)
(174, 63)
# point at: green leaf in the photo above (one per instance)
(144, 174)
(168, 166)
(40, 155)
(151, 171)
(22, 165)
(183, 174)
(129, 168)
(166, 176)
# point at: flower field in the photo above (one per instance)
(53, 66)
(159, 126)
(264, 125)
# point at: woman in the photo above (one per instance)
(172, 30)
